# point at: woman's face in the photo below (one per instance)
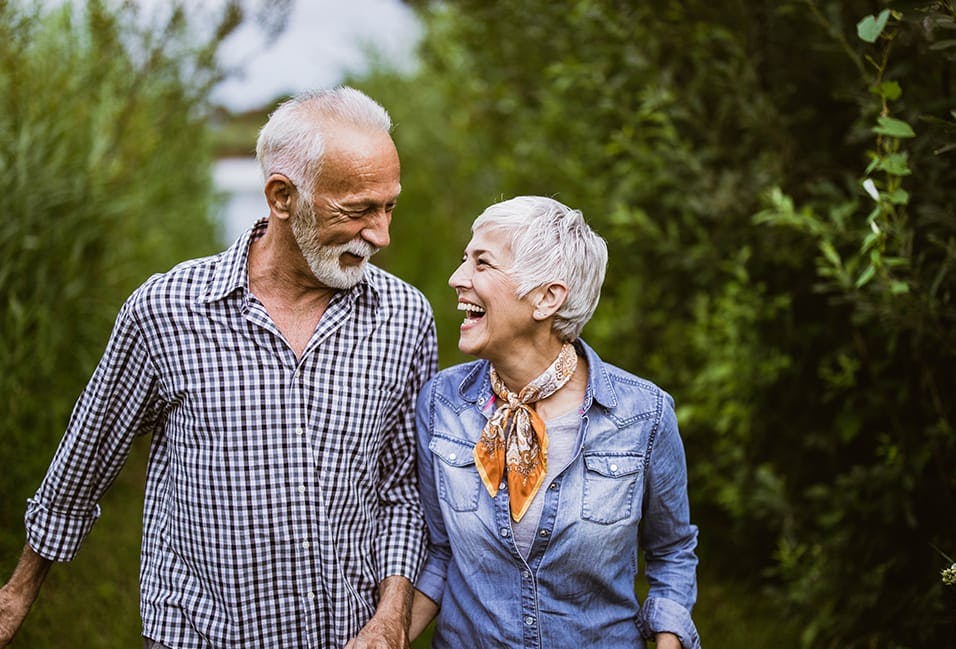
(496, 322)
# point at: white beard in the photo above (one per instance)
(324, 260)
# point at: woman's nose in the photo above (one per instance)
(460, 278)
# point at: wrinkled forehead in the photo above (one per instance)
(493, 239)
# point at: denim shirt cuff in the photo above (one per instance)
(662, 615)
(431, 581)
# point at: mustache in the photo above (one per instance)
(357, 247)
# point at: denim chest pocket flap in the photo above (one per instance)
(458, 479)
(611, 485)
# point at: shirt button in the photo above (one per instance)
(613, 467)
(301, 488)
(502, 485)
(527, 574)
(305, 545)
(505, 532)
(299, 431)
(529, 620)
(453, 456)
(543, 533)
(310, 595)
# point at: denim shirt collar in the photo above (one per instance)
(476, 386)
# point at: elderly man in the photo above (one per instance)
(278, 381)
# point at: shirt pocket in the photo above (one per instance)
(610, 481)
(458, 479)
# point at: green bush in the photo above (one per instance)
(806, 330)
(104, 179)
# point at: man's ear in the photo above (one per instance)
(549, 299)
(280, 193)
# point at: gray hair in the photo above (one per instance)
(551, 242)
(292, 142)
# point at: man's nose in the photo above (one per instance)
(376, 231)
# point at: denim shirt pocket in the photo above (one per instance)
(458, 481)
(610, 480)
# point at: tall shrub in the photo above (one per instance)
(721, 148)
(104, 179)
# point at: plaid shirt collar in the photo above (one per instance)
(232, 272)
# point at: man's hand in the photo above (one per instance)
(388, 628)
(18, 595)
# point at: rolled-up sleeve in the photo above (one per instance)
(669, 539)
(432, 579)
(401, 538)
(119, 403)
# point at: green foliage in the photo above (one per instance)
(104, 179)
(775, 183)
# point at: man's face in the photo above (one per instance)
(347, 219)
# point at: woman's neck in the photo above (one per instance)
(519, 369)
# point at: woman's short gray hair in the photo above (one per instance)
(552, 243)
(292, 142)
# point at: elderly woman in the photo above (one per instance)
(541, 466)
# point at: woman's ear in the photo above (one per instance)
(279, 193)
(549, 299)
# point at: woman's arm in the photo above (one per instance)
(424, 611)
(669, 540)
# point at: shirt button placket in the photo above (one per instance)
(300, 482)
(529, 610)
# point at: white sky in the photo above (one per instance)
(323, 40)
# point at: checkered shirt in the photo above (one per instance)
(280, 491)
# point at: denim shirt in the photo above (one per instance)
(625, 486)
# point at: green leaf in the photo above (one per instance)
(888, 89)
(895, 164)
(830, 253)
(897, 287)
(893, 127)
(870, 28)
(870, 239)
(943, 45)
(865, 276)
(899, 196)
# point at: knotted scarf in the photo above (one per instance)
(515, 436)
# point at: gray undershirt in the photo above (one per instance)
(562, 436)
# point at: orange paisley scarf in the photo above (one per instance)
(516, 437)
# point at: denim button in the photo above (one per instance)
(543, 533)
(529, 620)
(614, 468)
(453, 457)
(502, 485)
(504, 532)
(526, 574)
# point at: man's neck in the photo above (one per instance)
(271, 276)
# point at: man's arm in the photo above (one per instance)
(19, 593)
(388, 628)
